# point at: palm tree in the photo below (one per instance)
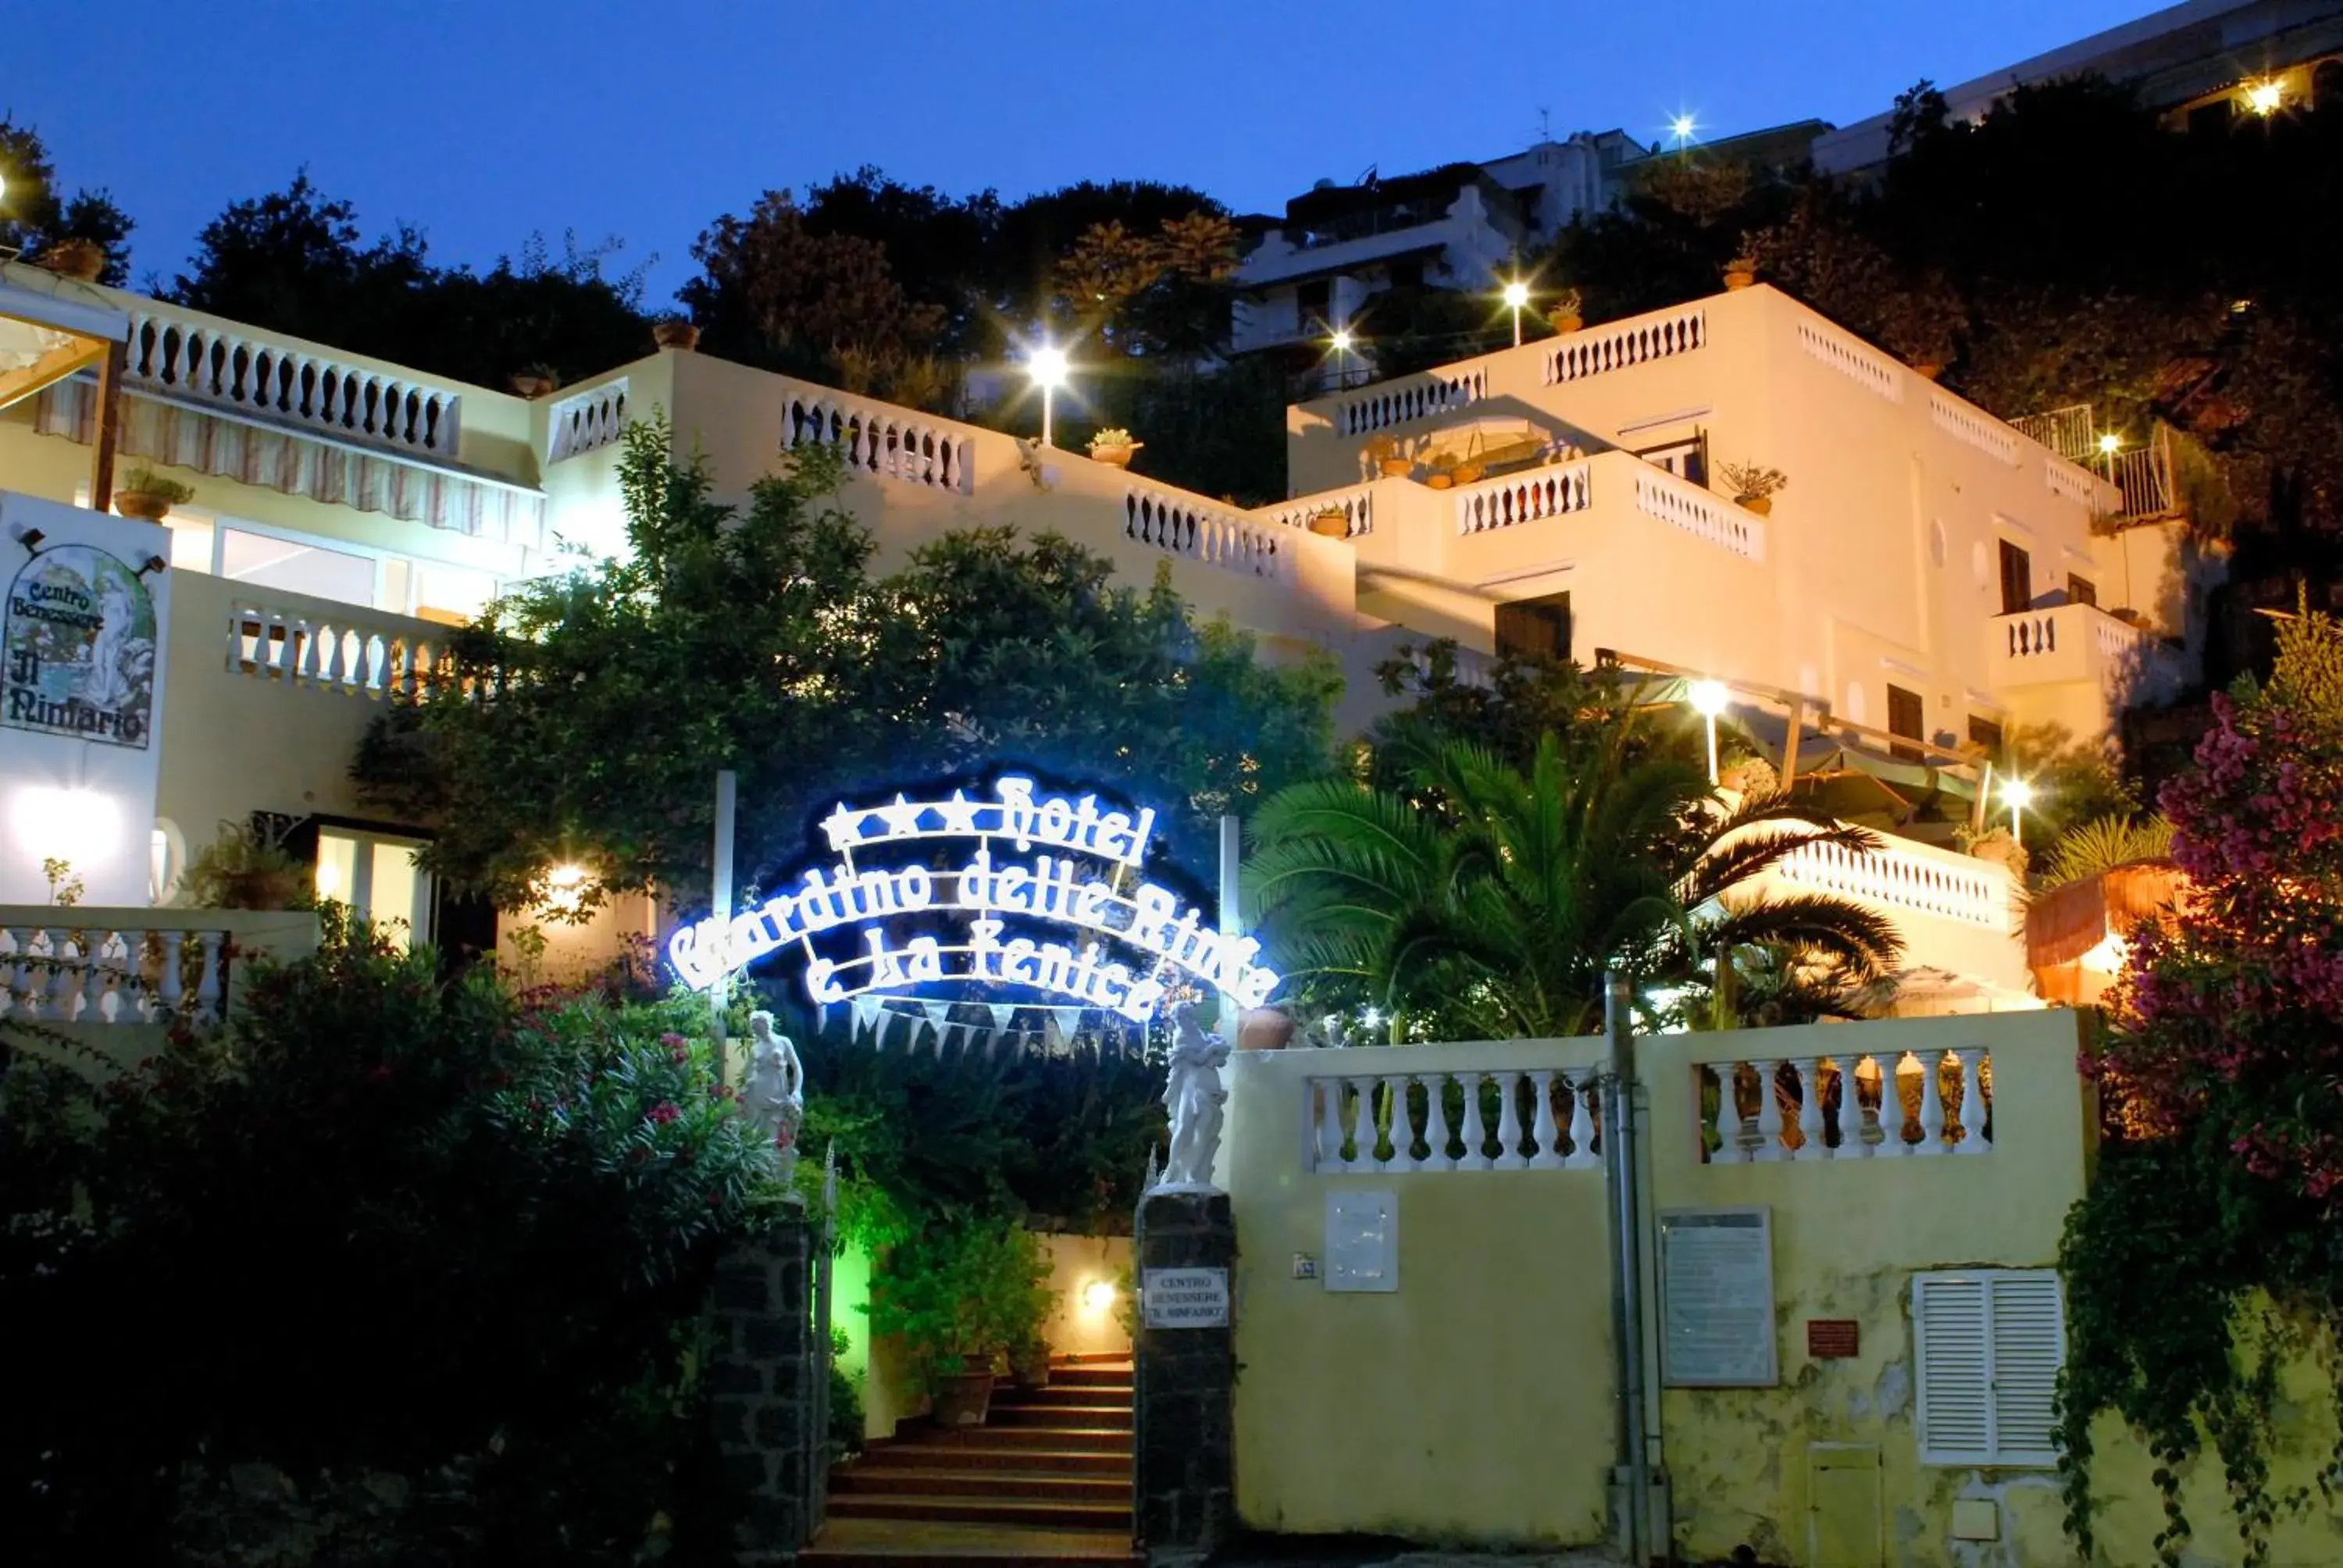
(1491, 899)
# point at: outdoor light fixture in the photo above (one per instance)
(2109, 442)
(1339, 344)
(31, 539)
(2018, 795)
(1340, 341)
(1518, 294)
(1682, 128)
(1708, 698)
(1048, 366)
(2264, 98)
(1098, 1296)
(564, 887)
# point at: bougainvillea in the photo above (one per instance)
(2210, 1247)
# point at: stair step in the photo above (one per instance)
(1044, 1410)
(1032, 1485)
(1082, 1375)
(982, 1510)
(968, 1456)
(910, 1544)
(1087, 1436)
(1108, 1395)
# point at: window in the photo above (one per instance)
(1686, 458)
(377, 877)
(1985, 732)
(2081, 590)
(1904, 718)
(450, 594)
(1989, 1343)
(296, 567)
(1536, 627)
(2017, 580)
(1313, 304)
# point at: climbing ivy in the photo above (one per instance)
(2208, 1253)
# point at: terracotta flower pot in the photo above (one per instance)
(1397, 467)
(1740, 273)
(1331, 525)
(142, 504)
(965, 1400)
(80, 259)
(1469, 473)
(1761, 505)
(1438, 481)
(1929, 372)
(680, 335)
(1265, 1029)
(1112, 457)
(1564, 321)
(531, 386)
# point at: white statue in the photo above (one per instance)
(773, 1097)
(1193, 1096)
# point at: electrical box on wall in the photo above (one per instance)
(1362, 1242)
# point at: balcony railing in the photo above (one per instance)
(883, 441)
(1516, 1105)
(1857, 1107)
(585, 421)
(1355, 504)
(309, 390)
(121, 968)
(2142, 475)
(2082, 642)
(1180, 524)
(1415, 397)
(1577, 355)
(327, 650)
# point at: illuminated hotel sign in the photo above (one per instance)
(1048, 899)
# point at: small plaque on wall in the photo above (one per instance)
(1185, 1298)
(1832, 1338)
(1717, 1298)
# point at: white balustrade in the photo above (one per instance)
(882, 440)
(586, 421)
(1974, 426)
(2070, 482)
(1843, 1109)
(1906, 876)
(111, 974)
(1471, 1119)
(330, 654)
(306, 387)
(1579, 355)
(1411, 399)
(1873, 371)
(1681, 504)
(1524, 497)
(1356, 506)
(1178, 524)
(2072, 432)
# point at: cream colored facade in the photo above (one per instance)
(348, 508)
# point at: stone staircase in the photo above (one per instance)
(1047, 1479)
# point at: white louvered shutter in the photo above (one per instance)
(2029, 1345)
(1989, 1342)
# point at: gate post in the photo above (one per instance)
(762, 1363)
(1184, 1382)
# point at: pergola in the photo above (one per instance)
(52, 328)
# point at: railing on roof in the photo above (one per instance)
(882, 440)
(207, 363)
(1180, 524)
(1416, 397)
(585, 421)
(2072, 432)
(2143, 475)
(1355, 504)
(1579, 355)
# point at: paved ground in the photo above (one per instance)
(1368, 1554)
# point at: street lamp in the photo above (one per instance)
(1708, 700)
(2264, 98)
(1681, 127)
(1341, 343)
(1048, 368)
(1518, 294)
(2018, 795)
(2109, 444)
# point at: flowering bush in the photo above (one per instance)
(386, 1221)
(2221, 1185)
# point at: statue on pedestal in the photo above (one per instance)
(1194, 1095)
(772, 1097)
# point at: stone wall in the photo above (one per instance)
(1185, 1386)
(762, 1366)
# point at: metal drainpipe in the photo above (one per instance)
(1626, 1265)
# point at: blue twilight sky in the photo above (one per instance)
(483, 120)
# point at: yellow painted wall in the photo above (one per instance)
(1076, 1328)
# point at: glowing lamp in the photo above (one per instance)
(1048, 366)
(1518, 294)
(1708, 698)
(1340, 341)
(78, 826)
(2018, 794)
(2264, 98)
(1682, 128)
(1099, 1296)
(2109, 442)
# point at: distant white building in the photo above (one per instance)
(2205, 64)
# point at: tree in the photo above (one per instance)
(1490, 899)
(34, 216)
(587, 716)
(2205, 1246)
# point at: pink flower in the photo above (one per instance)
(663, 1113)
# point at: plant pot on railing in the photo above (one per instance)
(1564, 321)
(675, 333)
(1114, 447)
(1741, 272)
(79, 259)
(1469, 473)
(963, 1401)
(1761, 505)
(149, 496)
(532, 384)
(1332, 523)
(1265, 1029)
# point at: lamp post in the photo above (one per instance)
(1518, 294)
(1341, 343)
(2018, 795)
(1708, 700)
(1682, 128)
(1048, 368)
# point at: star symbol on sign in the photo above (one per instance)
(844, 828)
(960, 813)
(902, 818)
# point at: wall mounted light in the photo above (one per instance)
(1099, 1296)
(31, 539)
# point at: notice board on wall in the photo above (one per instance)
(1716, 1299)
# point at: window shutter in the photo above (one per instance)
(1948, 1316)
(1990, 1344)
(2029, 1345)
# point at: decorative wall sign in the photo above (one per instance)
(78, 658)
(1048, 900)
(1185, 1298)
(1717, 1298)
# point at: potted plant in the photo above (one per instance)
(675, 332)
(962, 1300)
(1753, 487)
(1442, 470)
(1563, 314)
(1113, 447)
(79, 259)
(536, 380)
(1741, 272)
(1384, 450)
(1333, 523)
(1265, 1029)
(242, 869)
(150, 496)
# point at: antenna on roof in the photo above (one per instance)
(1367, 177)
(1546, 123)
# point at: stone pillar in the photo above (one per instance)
(760, 1374)
(1185, 1385)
